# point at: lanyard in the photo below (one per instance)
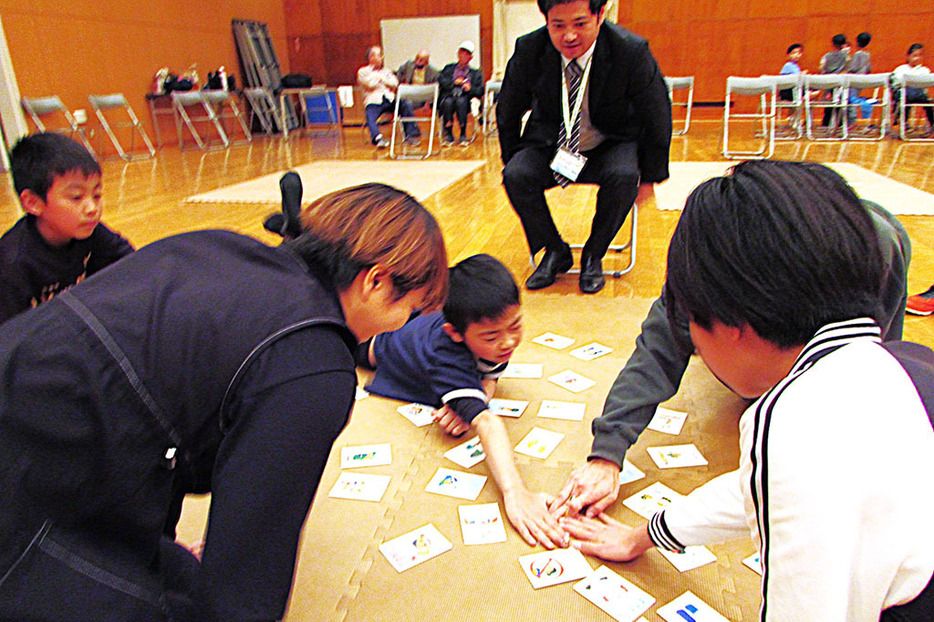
(571, 117)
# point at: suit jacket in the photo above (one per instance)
(407, 69)
(627, 97)
(446, 82)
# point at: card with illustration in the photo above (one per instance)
(754, 563)
(360, 394)
(651, 499)
(456, 484)
(482, 524)
(359, 486)
(553, 341)
(572, 381)
(539, 443)
(466, 454)
(569, 411)
(365, 456)
(689, 607)
(591, 351)
(668, 421)
(553, 567)
(414, 547)
(618, 597)
(629, 473)
(419, 414)
(507, 408)
(692, 557)
(523, 370)
(676, 456)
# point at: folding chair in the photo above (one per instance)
(680, 84)
(879, 82)
(490, 91)
(225, 107)
(835, 100)
(417, 92)
(925, 82)
(182, 101)
(262, 108)
(792, 83)
(764, 89)
(44, 107)
(313, 94)
(101, 104)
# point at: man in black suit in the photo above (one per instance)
(616, 136)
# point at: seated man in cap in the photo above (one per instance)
(459, 84)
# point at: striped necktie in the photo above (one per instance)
(573, 73)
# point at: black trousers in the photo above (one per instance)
(613, 166)
(459, 105)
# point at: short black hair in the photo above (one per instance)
(479, 288)
(793, 47)
(915, 46)
(863, 39)
(784, 247)
(36, 161)
(546, 5)
(839, 40)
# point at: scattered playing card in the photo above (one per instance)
(692, 557)
(539, 443)
(481, 524)
(622, 600)
(629, 473)
(507, 408)
(572, 381)
(689, 607)
(553, 341)
(523, 370)
(360, 486)
(667, 421)
(754, 563)
(651, 499)
(414, 547)
(419, 414)
(591, 351)
(572, 411)
(365, 455)
(675, 456)
(456, 484)
(554, 567)
(466, 454)
(360, 394)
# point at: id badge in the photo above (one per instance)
(568, 163)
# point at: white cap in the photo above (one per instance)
(467, 45)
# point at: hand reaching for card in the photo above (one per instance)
(528, 513)
(606, 537)
(593, 486)
(450, 421)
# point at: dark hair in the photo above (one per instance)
(793, 47)
(546, 5)
(37, 160)
(839, 40)
(863, 39)
(785, 247)
(479, 288)
(915, 46)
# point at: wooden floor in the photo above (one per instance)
(143, 200)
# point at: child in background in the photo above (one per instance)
(60, 241)
(451, 360)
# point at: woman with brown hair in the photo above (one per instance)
(206, 362)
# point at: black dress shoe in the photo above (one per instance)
(591, 278)
(553, 263)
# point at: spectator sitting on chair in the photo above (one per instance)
(379, 85)
(459, 84)
(418, 71)
(913, 95)
(836, 61)
(860, 64)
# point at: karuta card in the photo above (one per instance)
(466, 454)
(591, 351)
(754, 563)
(539, 443)
(360, 394)
(651, 499)
(523, 370)
(622, 600)
(572, 381)
(419, 414)
(554, 567)
(689, 607)
(692, 557)
(570, 411)
(481, 524)
(365, 455)
(629, 473)
(414, 547)
(668, 421)
(507, 408)
(456, 484)
(553, 341)
(676, 456)
(360, 486)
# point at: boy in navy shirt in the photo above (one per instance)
(60, 241)
(451, 360)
